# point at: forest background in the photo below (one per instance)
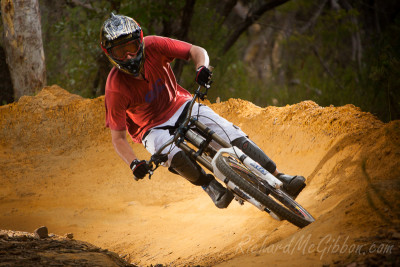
(271, 52)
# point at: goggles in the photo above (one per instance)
(121, 51)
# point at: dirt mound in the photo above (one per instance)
(53, 119)
(58, 168)
(26, 249)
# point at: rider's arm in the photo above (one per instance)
(199, 56)
(122, 147)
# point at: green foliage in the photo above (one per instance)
(149, 14)
(73, 49)
(381, 75)
(319, 63)
(206, 31)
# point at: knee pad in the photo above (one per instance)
(181, 164)
(255, 153)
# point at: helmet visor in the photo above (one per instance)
(121, 51)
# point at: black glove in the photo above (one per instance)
(139, 169)
(203, 76)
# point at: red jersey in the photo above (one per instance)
(138, 105)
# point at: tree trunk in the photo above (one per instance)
(104, 65)
(23, 45)
(6, 90)
(252, 17)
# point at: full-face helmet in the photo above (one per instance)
(121, 38)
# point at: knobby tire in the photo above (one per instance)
(263, 198)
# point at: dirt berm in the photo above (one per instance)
(59, 169)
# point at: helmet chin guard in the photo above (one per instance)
(117, 30)
(134, 65)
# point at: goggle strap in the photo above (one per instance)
(104, 49)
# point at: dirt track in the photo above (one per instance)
(58, 168)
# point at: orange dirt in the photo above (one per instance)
(59, 169)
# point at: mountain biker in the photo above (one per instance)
(143, 97)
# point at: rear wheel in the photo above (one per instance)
(274, 199)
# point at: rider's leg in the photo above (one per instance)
(179, 163)
(184, 166)
(291, 184)
(254, 152)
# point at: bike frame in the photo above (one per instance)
(202, 143)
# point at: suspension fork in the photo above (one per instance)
(210, 133)
(228, 148)
(201, 142)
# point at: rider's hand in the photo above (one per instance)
(139, 169)
(203, 76)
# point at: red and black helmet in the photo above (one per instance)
(121, 39)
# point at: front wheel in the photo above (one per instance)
(251, 184)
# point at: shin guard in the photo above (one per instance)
(255, 153)
(181, 164)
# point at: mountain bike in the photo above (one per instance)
(248, 180)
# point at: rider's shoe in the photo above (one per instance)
(221, 196)
(292, 184)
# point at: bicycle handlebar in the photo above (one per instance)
(157, 158)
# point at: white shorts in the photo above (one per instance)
(157, 137)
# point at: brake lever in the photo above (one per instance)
(156, 160)
(202, 96)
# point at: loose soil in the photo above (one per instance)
(59, 169)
